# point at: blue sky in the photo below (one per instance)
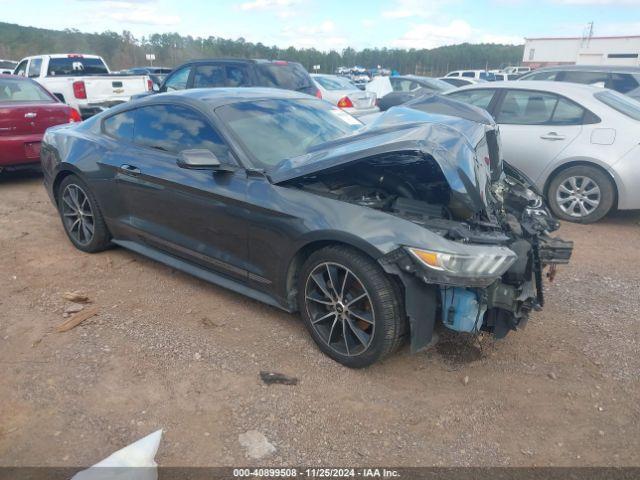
(336, 24)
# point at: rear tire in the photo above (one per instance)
(350, 306)
(81, 216)
(581, 194)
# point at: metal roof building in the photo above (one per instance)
(586, 50)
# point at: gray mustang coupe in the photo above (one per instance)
(373, 233)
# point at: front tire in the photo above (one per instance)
(351, 308)
(81, 216)
(581, 194)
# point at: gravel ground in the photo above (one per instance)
(170, 351)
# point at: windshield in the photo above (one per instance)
(275, 130)
(621, 103)
(76, 66)
(335, 83)
(289, 76)
(20, 90)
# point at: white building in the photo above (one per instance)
(544, 52)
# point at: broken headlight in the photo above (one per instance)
(472, 265)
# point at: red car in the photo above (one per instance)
(26, 110)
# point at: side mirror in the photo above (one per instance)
(156, 87)
(202, 159)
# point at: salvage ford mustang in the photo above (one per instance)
(373, 233)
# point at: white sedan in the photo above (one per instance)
(342, 92)
(579, 144)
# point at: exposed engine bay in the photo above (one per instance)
(412, 186)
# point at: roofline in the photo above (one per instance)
(582, 38)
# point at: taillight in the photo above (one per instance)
(345, 102)
(149, 84)
(74, 116)
(79, 91)
(318, 93)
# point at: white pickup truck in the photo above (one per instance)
(83, 82)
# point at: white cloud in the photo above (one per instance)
(429, 35)
(599, 2)
(282, 8)
(413, 8)
(323, 36)
(266, 4)
(139, 12)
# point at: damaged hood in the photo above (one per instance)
(457, 144)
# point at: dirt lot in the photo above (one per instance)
(170, 351)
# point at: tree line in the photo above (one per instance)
(123, 50)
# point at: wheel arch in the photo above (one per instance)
(305, 250)
(577, 163)
(62, 173)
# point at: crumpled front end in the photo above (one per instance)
(490, 276)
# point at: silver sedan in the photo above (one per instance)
(579, 144)
(342, 92)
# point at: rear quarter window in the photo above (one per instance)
(120, 126)
(625, 105)
(480, 98)
(290, 76)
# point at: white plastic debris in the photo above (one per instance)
(133, 462)
(380, 86)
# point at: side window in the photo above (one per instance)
(403, 85)
(120, 126)
(457, 83)
(588, 78)
(237, 76)
(207, 76)
(622, 82)
(172, 128)
(551, 76)
(479, 98)
(567, 113)
(526, 108)
(469, 74)
(34, 67)
(178, 81)
(22, 68)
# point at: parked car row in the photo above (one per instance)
(372, 230)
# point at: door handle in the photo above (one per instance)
(129, 169)
(30, 115)
(552, 136)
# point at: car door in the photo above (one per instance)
(197, 215)
(535, 128)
